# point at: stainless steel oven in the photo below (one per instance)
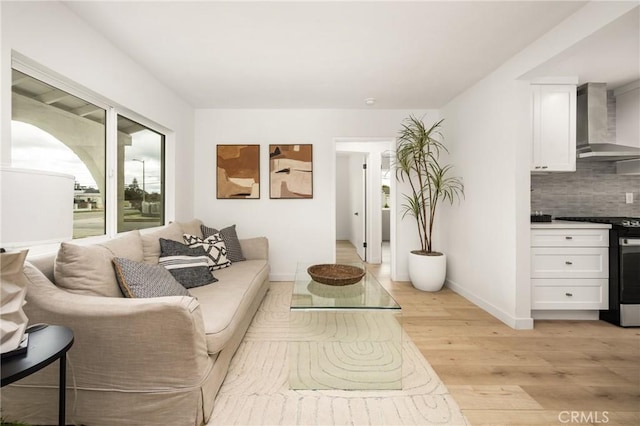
(629, 251)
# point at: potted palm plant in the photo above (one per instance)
(417, 162)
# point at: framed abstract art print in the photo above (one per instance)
(238, 171)
(291, 171)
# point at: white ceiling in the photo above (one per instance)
(610, 55)
(301, 54)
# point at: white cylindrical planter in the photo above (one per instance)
(427, 273)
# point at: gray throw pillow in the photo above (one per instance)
(189, 266)
(138, 279)
(230, 237)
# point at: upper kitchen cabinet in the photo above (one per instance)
(554, 128)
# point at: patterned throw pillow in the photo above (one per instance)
(189, 266)
(230, 237)
(215, 248)
(138, 279)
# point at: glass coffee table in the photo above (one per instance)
(344, 337)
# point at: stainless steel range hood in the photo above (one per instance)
(593, 138)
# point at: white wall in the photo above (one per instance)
(297, 229)
(343, 206)
(488, 128)
(49, 34)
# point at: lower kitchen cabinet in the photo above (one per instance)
(551, 294)
(569, 268)
(569, 262)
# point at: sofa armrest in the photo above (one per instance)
(255, 248)
(123, 344)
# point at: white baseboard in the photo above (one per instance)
(402, 277)
(513, 322)
(566, 315)
(282, 277)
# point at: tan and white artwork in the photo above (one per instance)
(238, 168)
(291, 171)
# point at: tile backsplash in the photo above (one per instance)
(594, 189)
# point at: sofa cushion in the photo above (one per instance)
(215, 248)
(226, 304)
(192, 227)
(151, 241)
(88, 269)
(230, 237)
(189, 266)
(137, 279)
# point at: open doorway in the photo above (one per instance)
(363, 198)
(351, 202)
(385, 182)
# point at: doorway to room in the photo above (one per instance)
(363, 199)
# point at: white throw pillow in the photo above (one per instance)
(215, 248)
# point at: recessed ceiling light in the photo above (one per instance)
(370, 101)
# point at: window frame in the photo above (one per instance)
(163, 158)
(113, 109)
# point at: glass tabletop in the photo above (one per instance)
(368, 293)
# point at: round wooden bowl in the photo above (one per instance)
(335, 274)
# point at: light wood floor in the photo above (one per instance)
(501, 376)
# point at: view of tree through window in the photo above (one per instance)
(56, 131)
(140, 156)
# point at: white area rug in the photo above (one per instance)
(256, 389)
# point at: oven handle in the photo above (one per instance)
(629, 242)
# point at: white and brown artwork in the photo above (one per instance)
(291, 171)
(238, 171)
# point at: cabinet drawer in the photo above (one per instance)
(569, 262)
(562, 237)
(554, 294)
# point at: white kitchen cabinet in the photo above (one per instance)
(554, 128)
(570, 294)
(564, 237)
(569, 262)
(569, 268)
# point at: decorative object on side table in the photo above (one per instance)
(336, 274)
(13, 320)
(291, 171)
(417, 162)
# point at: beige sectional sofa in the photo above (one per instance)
(153, 361)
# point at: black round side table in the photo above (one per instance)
(45, 346)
